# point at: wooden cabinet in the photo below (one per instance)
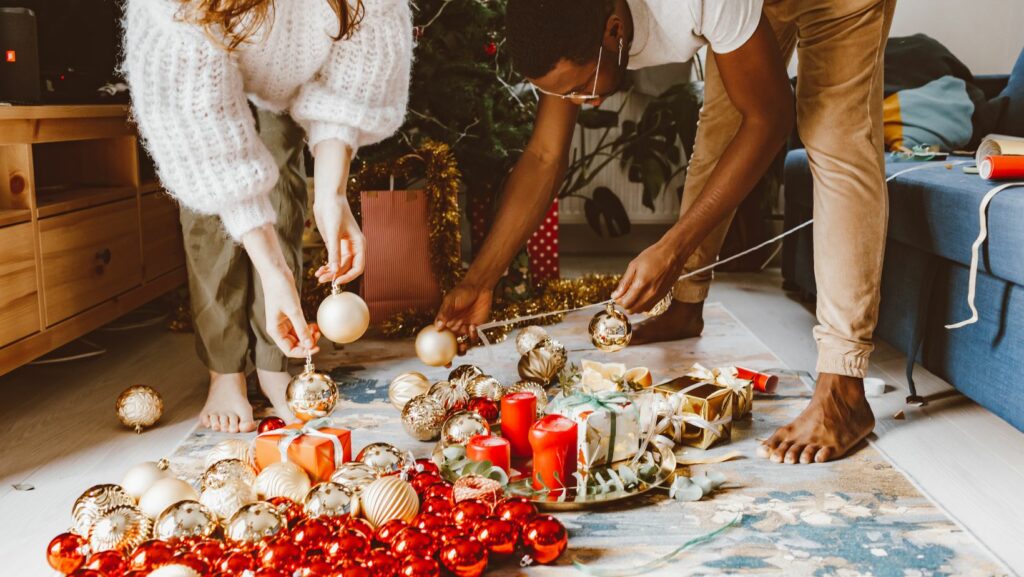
(19, 299)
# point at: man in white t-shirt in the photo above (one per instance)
(577, 51)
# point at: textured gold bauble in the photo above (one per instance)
(94, 502)
(282, 479)
(544, 362)
(449, 395)
(141, 477)
(529, 338)
(485, 386)
(534, 387)
(121, 528)
(422, 418)
(225, 470)
(461, 426)
(343, 317)
(228, 497)
(329, 499)
(436, 347)
(389, 498)
(462, 374)
(184, 519)
(383, 458)
(311, 394)
(254, 522)
(610, 330)
(139, 407)
(165, 493)
(354, 476)
(406, 386)
(230, 449)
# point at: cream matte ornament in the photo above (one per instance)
(389, 498)
(406, 386)
(141, 477)
(311, 394)
(462, 374)
(422, 418)
(184, 519)
(343, 317)
(436, 347)
(354, 476)
(121, 528)
(228, 497)
(544, 362)
(383, 458)
(449, 395)
(461, 426)
(530, 338)
(254, 522)
(610, 330)
(485, 386)
(230, 449)
(534, 387)
(329, 499)
(221, 472)
(165, 493)
(282, 479)
(174, 571)
(94, 502)
(139, 407)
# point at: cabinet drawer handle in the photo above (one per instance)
(103, 258)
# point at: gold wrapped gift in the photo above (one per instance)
(705, 411)
(726, 377)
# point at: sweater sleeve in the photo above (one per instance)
(190, 106)
(360, 94)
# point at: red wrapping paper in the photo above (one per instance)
(1002, 167)
(543, 248)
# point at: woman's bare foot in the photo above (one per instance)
(227, 407)
(274, 384)
(680, 321)
(835, 421)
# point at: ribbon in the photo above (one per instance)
(311, 428)
(725, 377)
(613, 402)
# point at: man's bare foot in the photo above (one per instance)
(274, 384)
(835, 421)
(680, 321)
(227, 407)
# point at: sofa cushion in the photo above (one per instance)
(1012, 122)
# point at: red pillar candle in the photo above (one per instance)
(489, 448)
(518, 412)
(553, 439)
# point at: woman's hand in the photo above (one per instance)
(346, 246)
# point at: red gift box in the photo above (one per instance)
(543, 247)
(311, 446)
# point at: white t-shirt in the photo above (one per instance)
(667, 31)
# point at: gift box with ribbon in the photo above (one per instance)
(729, 378)
(316, 446)
(704, 411)
(608, 423)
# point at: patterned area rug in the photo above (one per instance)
(855, 517)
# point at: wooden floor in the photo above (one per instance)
(58, 433)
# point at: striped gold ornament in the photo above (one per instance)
(389, 498)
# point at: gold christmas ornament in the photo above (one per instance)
(311, 394)
(422, 418)
(121, 528)
(184, 519)
(436, 348)
(462, 374)
(174, 571)
(383, 458)
(406, 386)
(389, 498)
(610, 330)
(544, 362)
(354, 476)
(343, 317)
(163, 494)
(534, 387)
(139, 407)
(530, 338)
(94, 502)
(228, 497)
(230, 449)
(448, 395)
(254, 522)
(485, 386)
(282, 479)
(458, 428)
(329, 499)
(225, 470)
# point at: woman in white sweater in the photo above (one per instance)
(213, 83)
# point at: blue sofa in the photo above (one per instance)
(933, 222)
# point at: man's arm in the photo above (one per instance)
(755, 79)
(527, 196)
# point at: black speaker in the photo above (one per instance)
(19, 46)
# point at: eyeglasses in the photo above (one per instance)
(576, 97)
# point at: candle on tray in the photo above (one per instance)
(553, 439)
(481, 448)
(518, 412)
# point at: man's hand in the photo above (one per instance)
(346, 246)
(465, 307)
(649, 278)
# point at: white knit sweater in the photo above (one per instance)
(189, 95)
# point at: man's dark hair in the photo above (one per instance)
(542, 32)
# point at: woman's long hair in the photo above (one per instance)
(236, 20)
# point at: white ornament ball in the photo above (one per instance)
(141, 477)
(227, 498)
(343, 317)
(173, 571)
(389, 498)
(230, 449)
(436, 347)
(283, 479)
(405, 387)
(164, 493)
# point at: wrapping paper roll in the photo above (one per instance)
(1002, 167)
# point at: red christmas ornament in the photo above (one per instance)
(382, 563)
(237, 561)
(111, 563)
(437, 506)
(356, 571)
(412, 541)
(66, 552)
(270, 424)
(490, 49)
(264, 572)
(448, 534)
(281, 555)
(361, 525)
(413, 566)
(349, 544)
(439, 491)
(150, 555)
(467, 513)
(144, 574)
(209, 550)
(430, 523)
(515, 509)
(291, 510)
(315, 569)
(310, 533)
(192, 561)
(464, 557)
(498, 535)
(420, 481)
(83, 572)
(484, 407)
(544, 539)
(386, 533)
(427, 466)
